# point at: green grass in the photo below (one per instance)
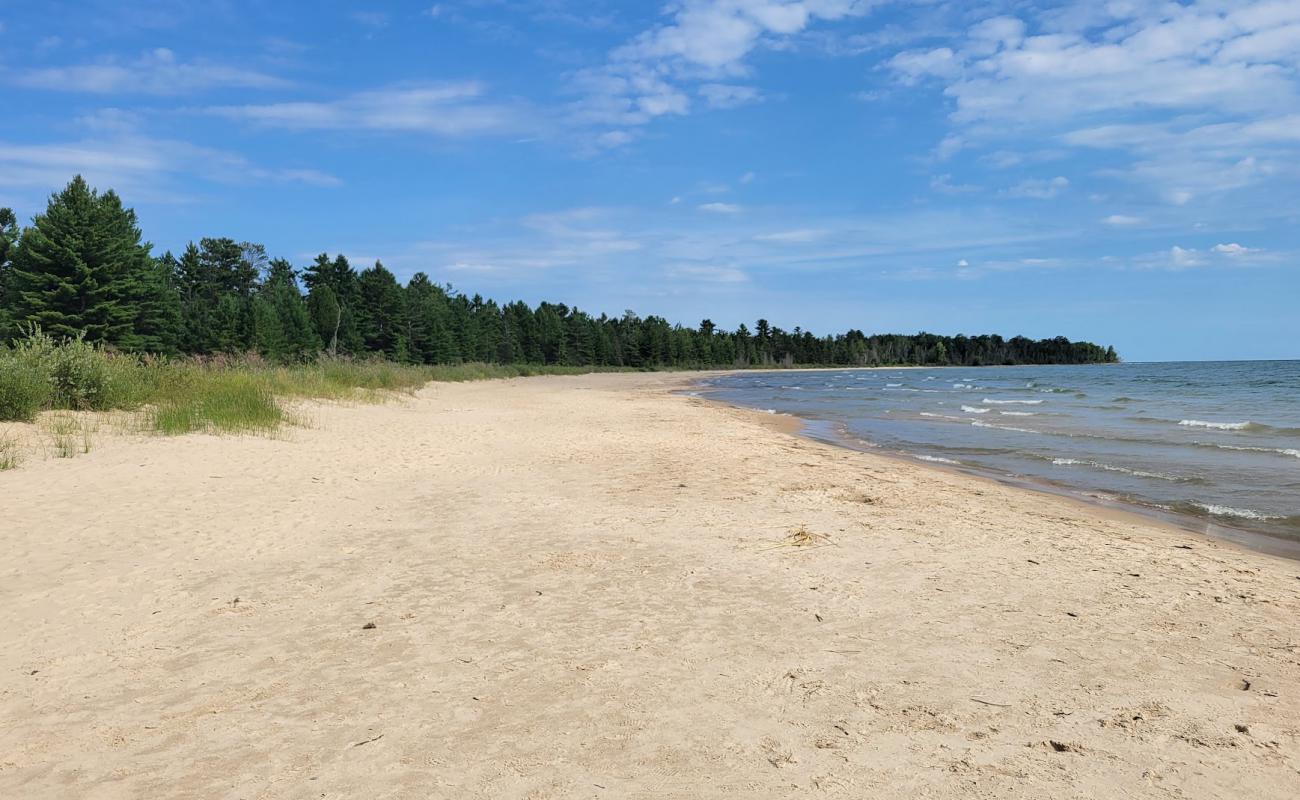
(10, 454)
(218, 395)
(217, 400)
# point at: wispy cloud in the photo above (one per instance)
(443, 109)
(142, 167)
(158, 72)
(1039, 188)
(720, 208)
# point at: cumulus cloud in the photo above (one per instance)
(1202, 95)
(1232, 249)
(703, 43)
(1182, 257)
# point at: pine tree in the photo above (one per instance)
(81, 268)
(282, 329)
(157, 327)
(334, 316)
(381, 313)
(8, 239)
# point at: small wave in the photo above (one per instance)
(1069, 462)
(1123, 400)
(1281, 451)
(979, 424)
(1223, 426)
(941, 416)
(1229, 511)
(962, 386)
(892, 385)
(974, 410)
(937, 460)
(989, 402)
(1017, 414)
(793, 388)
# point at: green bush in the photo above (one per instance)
(24, 389)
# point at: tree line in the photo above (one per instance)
(82, 268)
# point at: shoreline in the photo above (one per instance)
(595, 586)
(1276, 545)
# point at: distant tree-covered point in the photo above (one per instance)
(82, 268)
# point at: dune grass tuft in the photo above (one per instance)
(219, 401)
(10, 452)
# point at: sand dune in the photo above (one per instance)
(592, 587)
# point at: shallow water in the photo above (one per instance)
(1215, 441)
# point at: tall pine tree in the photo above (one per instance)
(8, 238)
(81, 268)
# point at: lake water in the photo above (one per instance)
(1214, 444)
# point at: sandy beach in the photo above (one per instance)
(596, 587)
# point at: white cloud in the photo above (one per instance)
(139, 167)
(1233, 249)
(443, 109)
(720, 208)
(944, 185)
(612, 139)
(723, 95)
(1122, 220)
(705, 273)
(1181, 257)
(796, 236)
(156, 72)
(963, 263)
(703, 42)
(1039, 189)
(1203, 94)
(746, 179)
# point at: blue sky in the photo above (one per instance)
(1122, 171)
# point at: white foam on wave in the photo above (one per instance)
(974, 410)
(979, 424)
(1017, 414)
(941, 416)
(892, 385)
(1067, 462)
(989, 402)
(1222, 426)
(938, 460)
(1229, 511)
(962, 386)
(1282, 451)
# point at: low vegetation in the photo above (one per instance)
(176, 396)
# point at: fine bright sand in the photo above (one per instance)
(592, 587)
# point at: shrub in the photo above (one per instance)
(24, 389)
